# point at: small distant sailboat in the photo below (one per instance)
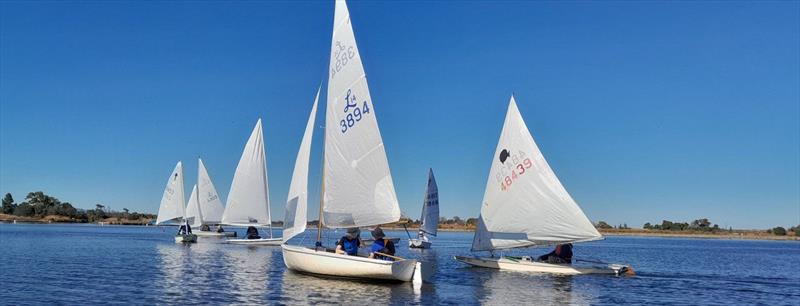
(357, 187)
(248, 200)
(171, 208)
(525, 205)
(430, 215)
(205, 208)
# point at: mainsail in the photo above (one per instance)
(524, 203)
(209, 202)
(358, 184)
(294, 220)
(193, 212)
(430, 208)
(171, 207)
(248, 200)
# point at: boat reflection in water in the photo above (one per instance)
(213, 273)
(517, 288)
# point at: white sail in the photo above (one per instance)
(193, 212)
(525, 203)
(171, 207)
(209, 202)
(294, 220)
(248, 200)
(430, 207)
(358, 184)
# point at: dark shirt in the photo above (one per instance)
(564, 254)
(384, 246)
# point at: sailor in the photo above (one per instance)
(422, 236)
(252, 233)
(381, 245)
(219, 229)
(349, 243)
(185, 229)
(561, 255)
(205, 228)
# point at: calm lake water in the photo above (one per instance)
(88, 264)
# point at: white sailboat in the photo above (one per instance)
(171, 207)
(430, 215)
(248, 200)
(357, 187)
(525, 205)
(205, 207)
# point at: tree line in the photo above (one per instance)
(38, 204)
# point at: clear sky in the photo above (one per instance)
(645, 110)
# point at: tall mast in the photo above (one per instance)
(321, 193)
(264, 175)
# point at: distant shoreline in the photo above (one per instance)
(721, 234)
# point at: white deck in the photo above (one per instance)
(506, 263)
(262, 241)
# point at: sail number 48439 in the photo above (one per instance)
(353, 111)
(510, 179)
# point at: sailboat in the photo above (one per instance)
(357, 187)
(248, 200)
(430, 215)
(171, 208)
(205, 207)
(525, 205)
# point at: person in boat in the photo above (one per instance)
(381, 245)
(252, 233)
(205, 228)
(350, 242)
(561, 255)
(185, 229)
(219, 229)
(422, 236)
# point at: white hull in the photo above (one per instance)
(214, 234)
(419, 244)
(189, 238)
(308, 260)
(369, 241)
(262, 241)
(523, 265)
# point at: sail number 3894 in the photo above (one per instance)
(353, 111)
(510, 179)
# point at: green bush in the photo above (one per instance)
(779, 231)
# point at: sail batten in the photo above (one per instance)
(295, 218)
(248, 199)
(359, 190)
(524, 203)
(171, 207)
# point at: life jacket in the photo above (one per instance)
(379, 245)
(350, 246)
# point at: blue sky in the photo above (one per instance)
(645, 110)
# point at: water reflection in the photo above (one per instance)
(212, 272)
(518, 288)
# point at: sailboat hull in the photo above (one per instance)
(262, 241)
(419, 244)
(188, 238)
(215, 234)
(308, 260)
(505, 263)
